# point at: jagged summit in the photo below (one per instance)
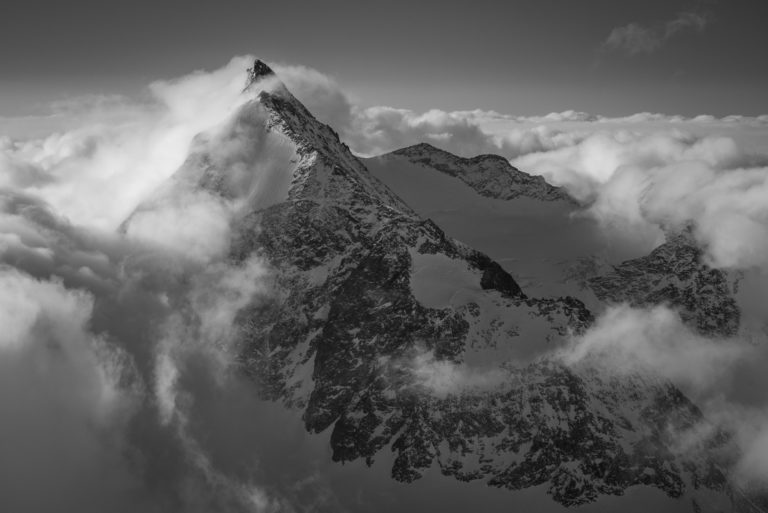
(490, 175)
(258, 71)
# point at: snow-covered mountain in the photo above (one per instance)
(397, 337)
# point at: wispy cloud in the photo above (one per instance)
(634, 38)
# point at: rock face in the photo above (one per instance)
(675, 274)
(259, 71)
(355, 328)
(489, 175)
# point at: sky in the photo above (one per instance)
(519, 57)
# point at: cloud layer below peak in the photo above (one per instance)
(126, 345)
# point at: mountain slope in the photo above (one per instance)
(676, 275)
(394, 336)
(529, 237)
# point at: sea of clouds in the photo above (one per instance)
(116, 335)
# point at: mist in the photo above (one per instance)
(115, 329)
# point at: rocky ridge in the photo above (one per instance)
(490, 175)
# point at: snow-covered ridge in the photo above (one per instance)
(489, 175)
(319, 147)
(353, 311)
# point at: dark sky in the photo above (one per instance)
(518, 57)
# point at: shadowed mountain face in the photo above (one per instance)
(396, 337)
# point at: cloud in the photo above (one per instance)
(442, 378)
(242, 166)
(122, 153)
(55, 372)
(633, 38)
(654, 343)
(199, 342)
(321, 94)
(107, 357)
(203, 322)
(378, 129)
(97, 173)
(194, 224)
(118, 360)
(647, 182)
(752, 429)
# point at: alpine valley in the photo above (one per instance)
(417, 302)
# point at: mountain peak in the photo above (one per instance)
(424, 146)
(258, 71)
